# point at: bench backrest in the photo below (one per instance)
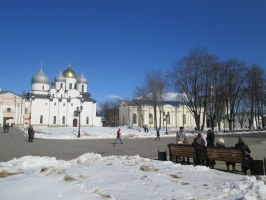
(225, 154)
(182, 150)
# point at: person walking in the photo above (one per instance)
(4, 128)
(158, 134)
(31, 133)
(7, 127)
(118, 136)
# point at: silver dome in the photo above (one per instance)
(82, 79)
(60, 78)
(40, 77)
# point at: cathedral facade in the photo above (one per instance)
(58, 104)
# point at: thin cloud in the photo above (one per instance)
(111, 96)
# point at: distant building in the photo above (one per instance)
(57, 106)
(140, 113)
(14, 109)
(50, 106)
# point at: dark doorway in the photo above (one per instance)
(75, 122)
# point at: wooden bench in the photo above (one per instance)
(232, 155)
(179, 150)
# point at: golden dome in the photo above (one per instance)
(69, 73)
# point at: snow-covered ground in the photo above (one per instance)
(92, 176)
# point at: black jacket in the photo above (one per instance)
(210, 139)
(243, 146)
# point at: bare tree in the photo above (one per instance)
(233, 87)
(190, 79)
(108, 110)
(153, 89)
(214, 96)
(255, 94)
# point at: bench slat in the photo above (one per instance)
(225, 154)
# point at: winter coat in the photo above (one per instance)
(220, 144)
(201, 141)
(210, 139)
(243, 146)
(31, 133)
(180, 135)
(118, 134)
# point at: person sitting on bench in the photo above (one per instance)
(249, 160)
(220, 143)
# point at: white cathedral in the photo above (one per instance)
(58, 105)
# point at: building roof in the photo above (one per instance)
(40, 77)
(130, 102)
(87, 97)
(138, 102)
(82, 79)
(60, 78)
(69, 73)
(7, 91)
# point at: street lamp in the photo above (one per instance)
(166, 116)
(79, 110)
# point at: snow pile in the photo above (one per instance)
(92, 176)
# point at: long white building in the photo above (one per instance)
(57, 105)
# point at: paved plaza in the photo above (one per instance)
(15, 145)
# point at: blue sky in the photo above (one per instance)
(114, 42)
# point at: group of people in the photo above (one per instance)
(240, 145)
(209, 141)
(6, 128)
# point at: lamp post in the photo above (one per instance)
(224, 123)
(79, 110)
(166, 116)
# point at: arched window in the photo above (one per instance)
(8, 110)
(70, 85)
(134, 118)
(63, 120)
(150, 119)
(75, 86)
(82, 88)
(54, 119)
(61, 85)
(41, 119)
(184, 119)
(87, 120)
(43, 87)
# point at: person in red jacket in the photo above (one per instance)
(118, 136)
